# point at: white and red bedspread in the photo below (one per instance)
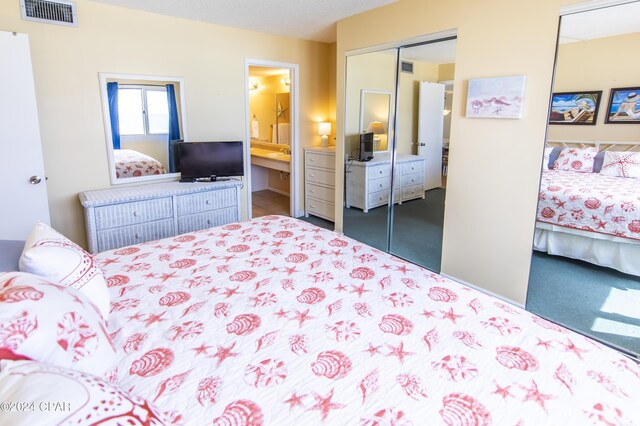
(591, 202)
(275, 321)
(130, 163)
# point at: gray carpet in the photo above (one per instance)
(417, 229)
(572, 293)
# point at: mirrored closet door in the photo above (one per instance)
(585, 269)
(397, 128)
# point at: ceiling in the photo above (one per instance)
(599, 23)
(305, 19)
(443, 52)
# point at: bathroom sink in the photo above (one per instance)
(274, 155)
(279, 156)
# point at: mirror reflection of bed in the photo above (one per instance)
(132, 163)
(585, 270)
(417, 133)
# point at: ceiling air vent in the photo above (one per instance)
(406, 66)
(58, 12)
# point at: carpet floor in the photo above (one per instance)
(599, 302)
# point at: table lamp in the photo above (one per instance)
(324, 130)
(377, 128)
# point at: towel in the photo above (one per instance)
(284, 129)
(255, 129)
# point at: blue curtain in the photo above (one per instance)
(174, 125)
(112, 96)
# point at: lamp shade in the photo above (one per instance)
(324, 128)
(376, 127)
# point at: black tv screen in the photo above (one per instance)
(366, 147)
(211, 159)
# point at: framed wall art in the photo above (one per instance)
(624, 105)
(576, 108)
(500, 97)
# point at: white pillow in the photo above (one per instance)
(51, 323)
(624, 164)
(51, 255)
(46, 395)
(576, 159)
(547, 154)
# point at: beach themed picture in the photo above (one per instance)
(624, 105)
(499, 97)
(579, 108)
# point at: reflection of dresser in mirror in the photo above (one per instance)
(368, 183)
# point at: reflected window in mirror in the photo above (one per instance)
(142, 115)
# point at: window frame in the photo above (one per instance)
(147, 135)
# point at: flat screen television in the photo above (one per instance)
(210, 160)
(366, 147)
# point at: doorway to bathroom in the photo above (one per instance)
(272, 118)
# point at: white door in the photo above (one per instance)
(430, 130)
(23, 191)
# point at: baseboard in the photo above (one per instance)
(484, 290)
(278, 191)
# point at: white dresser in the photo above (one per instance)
(320, 182)
(369, 183)
(122, 216)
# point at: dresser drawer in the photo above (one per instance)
(321, 209)
(314, 159)
(411, 180)
(412, 192)
(320, 192)
(379, 184)
(325, 177)
(116, 215)
(378, 198)
(134, 234)
(194, 222)
(206, 201)
(412, 167)
(383, 170)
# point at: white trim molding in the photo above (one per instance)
(592, 5)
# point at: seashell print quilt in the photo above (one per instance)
(590, 202)
(278, 322)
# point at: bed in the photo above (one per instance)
(130, 163)
(590, 216)
(276, 321)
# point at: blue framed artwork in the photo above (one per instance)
(577, 108)
(624, 105)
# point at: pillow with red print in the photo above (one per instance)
(51, 255)
(576, 159)
(46, 395)
(54, 324)
(624, 164)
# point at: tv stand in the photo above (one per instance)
(212, 178)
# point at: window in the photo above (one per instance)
(143, 112)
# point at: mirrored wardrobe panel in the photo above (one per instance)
(397, 140)
(425, 80)
(370, 89)
(585, 269)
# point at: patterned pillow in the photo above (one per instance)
(576, 159)
(624, 164)
(53, 324)
(51, 255)
(46, 394)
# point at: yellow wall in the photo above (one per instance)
(210, 58)
(600, 64)
(490, 211)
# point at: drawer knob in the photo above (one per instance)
(136, 213)
(208, 221)
(312, 191)
(312, 175)
(207, 202)
(138, 236)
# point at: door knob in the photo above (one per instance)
(35, 179)
(423, 144)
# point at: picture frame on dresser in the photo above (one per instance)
(122, 216)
